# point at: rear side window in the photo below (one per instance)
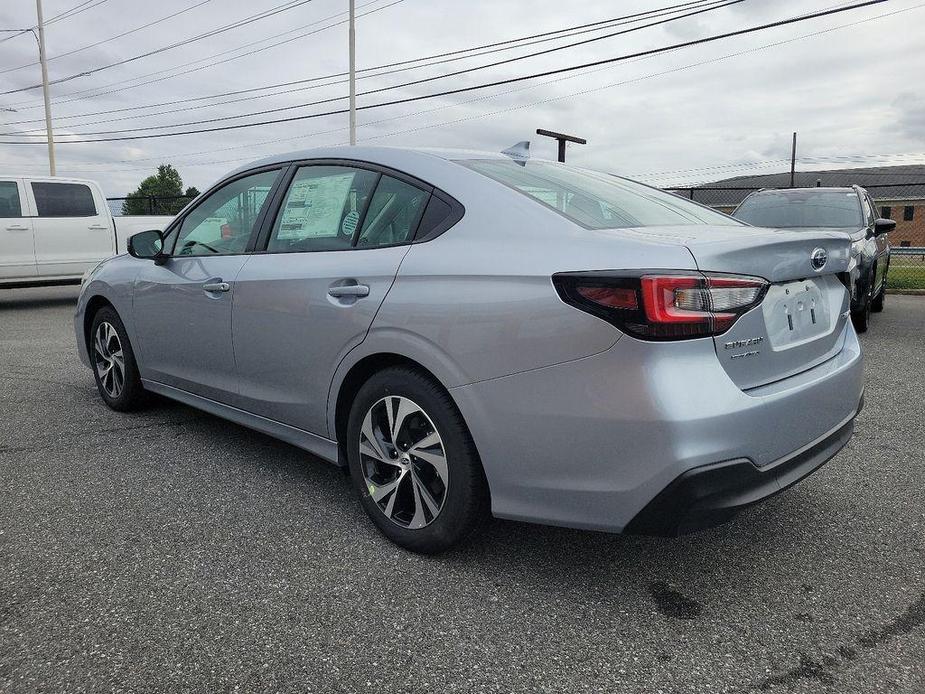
(63, 200)
(596, 200)
(802, 208)
(322, 209)
(9, 199)
(393, 214)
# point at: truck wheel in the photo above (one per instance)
(114, 367)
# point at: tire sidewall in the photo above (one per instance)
(465, 477)
(131, 394)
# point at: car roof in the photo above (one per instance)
(396, 157)
(803, 191)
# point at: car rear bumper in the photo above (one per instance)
(592, 442)
(713, 494)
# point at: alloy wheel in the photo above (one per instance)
(109, 359)
(403, 462)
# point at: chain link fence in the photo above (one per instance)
(902, 202)
(147, 204)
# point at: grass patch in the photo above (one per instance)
(904, 276)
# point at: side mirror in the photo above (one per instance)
(882, 226)
(146, 244)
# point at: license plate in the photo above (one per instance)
(796, 313)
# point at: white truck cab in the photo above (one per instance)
(53, 229)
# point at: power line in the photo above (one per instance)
(456, 55)
(512, 80)
(378, 74)
(111, 38)
(710, 8)
(142, 81)
(289, 5)
(82, 7)
(582, 92)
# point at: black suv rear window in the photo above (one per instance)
(802, 208)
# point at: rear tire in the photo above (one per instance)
(413, 462)
(113, 361)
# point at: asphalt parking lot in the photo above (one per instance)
(170, 551)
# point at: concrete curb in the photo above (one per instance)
(909, 292)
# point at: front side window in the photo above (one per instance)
(596, 200)
(802, 208)
(63, 200)
(222, 224)
(9, 199)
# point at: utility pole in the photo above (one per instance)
(353, 77)
(561, 138)
(793, 160)
(50, 136)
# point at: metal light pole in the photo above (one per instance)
(793, 160)
(353, 86)
(41, 39)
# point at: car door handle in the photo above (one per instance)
(355, 290)
(216, 287)
(98, 227)
(17, 227)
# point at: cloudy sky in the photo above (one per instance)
(850, 84)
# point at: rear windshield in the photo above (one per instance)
(595, 200)
(802, 208)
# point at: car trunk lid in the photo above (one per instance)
(801, 321)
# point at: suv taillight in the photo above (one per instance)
(663, 305)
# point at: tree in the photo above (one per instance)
(165, 188)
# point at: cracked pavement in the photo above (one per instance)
(169, 550)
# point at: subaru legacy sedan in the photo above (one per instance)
(477, 334)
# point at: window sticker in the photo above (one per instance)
(314, 207)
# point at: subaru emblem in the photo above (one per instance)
(818, 258)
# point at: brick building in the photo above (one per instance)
(899, 192)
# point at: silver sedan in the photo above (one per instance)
(478, 334)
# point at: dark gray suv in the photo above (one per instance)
(849, 209)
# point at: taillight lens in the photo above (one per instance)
(663, 306)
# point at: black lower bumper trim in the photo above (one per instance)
(709, 495)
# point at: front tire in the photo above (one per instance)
(413, 463)
(114, 366)
(877, 304)
(861, 319)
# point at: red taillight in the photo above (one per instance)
(614, 297)
(663, 306)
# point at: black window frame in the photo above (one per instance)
(174, 227)
(38, 212)
(18, 195)
(908, 213)
(886, 212)
(457, 210)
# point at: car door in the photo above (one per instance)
(331, 255)
(881, 245)
(182, 303)
(73, 231)
(17, 252)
